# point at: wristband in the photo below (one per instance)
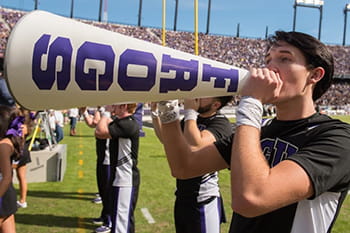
(168, 111)
(101, 110)
(106, 114)
(154, 114)
(85, 114)
(190, 114)
(249, 112)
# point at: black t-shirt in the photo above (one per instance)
(203, 187)
(124, 146)
(319, 144)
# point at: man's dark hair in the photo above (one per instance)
(224, 100)
(315, 52)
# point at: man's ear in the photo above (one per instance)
(217, 104)
(317, 74)
(125, 107)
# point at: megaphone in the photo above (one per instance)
(58, 63)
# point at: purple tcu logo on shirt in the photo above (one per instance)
(276, 150)
(62, 48)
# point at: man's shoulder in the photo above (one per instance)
(221, 118)
(127, 121)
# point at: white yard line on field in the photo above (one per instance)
(147, 215)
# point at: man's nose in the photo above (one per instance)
(272, 66)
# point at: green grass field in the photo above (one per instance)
(63, 207)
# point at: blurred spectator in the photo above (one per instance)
(73, 114)
(56, 124)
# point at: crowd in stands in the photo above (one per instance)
(236, 51)
(337, 96)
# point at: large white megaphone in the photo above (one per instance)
(57, 62)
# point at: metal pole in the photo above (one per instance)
(320, 24)
(345, 20)
(100, 11)
(105, 11)
(71, 8)
(295, 15)
(208, 18)
(267, 32)
(140, 14)
(175, 17)
(163, 22)
(196, 27)
(237, 34)
(36, 4)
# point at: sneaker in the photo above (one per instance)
(97, 200)
(103, 229)
(21, 204)
(97, 221)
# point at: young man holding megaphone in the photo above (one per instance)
(290, 173)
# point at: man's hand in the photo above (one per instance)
(154, 106)
(263, 84)
(191, 104)
(168, 111)
(109, 108)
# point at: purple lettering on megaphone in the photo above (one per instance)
(180, 67)
(141, 58)
(96, 52)
(220, 76)
(186, 71)
(44, 79)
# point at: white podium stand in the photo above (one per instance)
(46, 165)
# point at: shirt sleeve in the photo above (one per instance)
(220, 127)
(125, 128)
(224, 147)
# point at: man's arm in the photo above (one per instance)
(87, 117)
(256, 188)
(97, 115)
(90, 120)
(157, 126)
(184, 161)
(102, 131)
(194, 136)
